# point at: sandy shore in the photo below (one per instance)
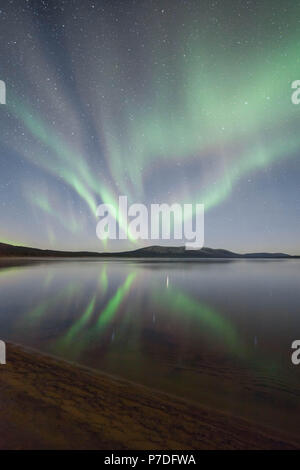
(50, 404)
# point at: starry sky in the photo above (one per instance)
(184, 101)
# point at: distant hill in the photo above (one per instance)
(22, 251)
(162, 251)
(147, 252)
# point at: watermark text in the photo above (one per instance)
(2, 352)
(164, 222)
(2, 92)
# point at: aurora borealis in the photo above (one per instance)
(161, 101)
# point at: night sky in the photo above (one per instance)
(161, 101)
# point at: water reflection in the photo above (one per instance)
(215, 332)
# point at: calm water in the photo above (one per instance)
(216, 332)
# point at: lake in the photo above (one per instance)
(215, 332)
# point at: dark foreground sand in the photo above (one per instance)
(51, 404)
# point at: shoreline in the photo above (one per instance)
(49, 403)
